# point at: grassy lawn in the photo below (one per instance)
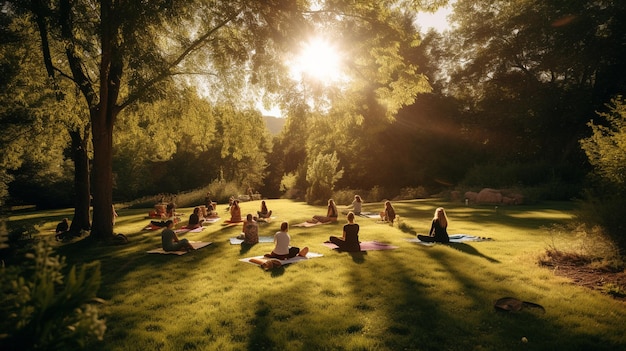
(413, 298)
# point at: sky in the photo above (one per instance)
(435, 20)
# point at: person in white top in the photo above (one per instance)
(357, 205)
(282, 250)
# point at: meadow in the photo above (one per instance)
(415, 297)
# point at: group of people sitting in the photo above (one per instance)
(349, 241)
(235, 212)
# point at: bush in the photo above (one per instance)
(47, 310)
(607, 211)
(322, 175)
(346, 196)
(220, 191)
(413, 193)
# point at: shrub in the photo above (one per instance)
(47, 310)
(376, 194)
(413, 193)
(346, 196)
(322, 176)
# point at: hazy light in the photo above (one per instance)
(437, 21)
(318, 59)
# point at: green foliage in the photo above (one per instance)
(413, 193)
(288, 182)
(47, 309)
(600, 207)
(322, 175)
(540, 179)
(606, 147)
(606, 150)
(345, 196)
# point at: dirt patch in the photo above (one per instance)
(581, 271)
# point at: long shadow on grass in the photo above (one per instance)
(468, 249)
(465, 310)
(530, 217)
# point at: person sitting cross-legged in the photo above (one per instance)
(170, 240)
(350, 240)
(250, 235)
(282, 250)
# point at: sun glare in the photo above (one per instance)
(317, 59)
(437, 20)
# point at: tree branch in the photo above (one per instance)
(196, 44)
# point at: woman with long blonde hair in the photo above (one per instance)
(438, 228)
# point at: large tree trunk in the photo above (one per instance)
(102, 120)
(81, 183)
(102, 175)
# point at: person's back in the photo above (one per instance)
(440, 232)
(352, 237)
(63, 226)
(61, 230)
(167, 239)
(250, 231)
(357, 205)
(391, 214)
(194, 220)
(282, 240)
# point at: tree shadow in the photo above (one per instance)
(468, 249)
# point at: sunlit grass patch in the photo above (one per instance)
(415, 297)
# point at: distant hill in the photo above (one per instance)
(274, 124)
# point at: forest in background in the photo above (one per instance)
(517, 94)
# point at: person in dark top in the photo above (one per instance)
(438, 228)
(62, 228)
(170, 240)
(350, 240)
(264, 213)
(194, 219)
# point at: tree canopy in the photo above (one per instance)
(144, 90)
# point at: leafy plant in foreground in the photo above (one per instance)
(44, 309)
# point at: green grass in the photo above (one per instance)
(412, 298)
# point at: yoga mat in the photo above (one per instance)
(183, 230)
(283, 262)
(152, 227)
(455, 238)
(367, 246)
(196, 245)
(265, 220)
(308, 225)
(211, 220)
(262, 239)
(369, 215)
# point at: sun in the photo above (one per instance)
(317, 59)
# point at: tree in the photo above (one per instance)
(530, 72)
(343, 118)
(120, 52)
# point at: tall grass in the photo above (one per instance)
(412, 298)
